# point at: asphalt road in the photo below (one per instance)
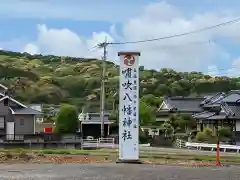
(115, 172)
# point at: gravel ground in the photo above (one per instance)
(115, 172)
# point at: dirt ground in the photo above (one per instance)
(86, 159)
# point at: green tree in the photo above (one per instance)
(146, 114)
(46, 80)
(168, 129)
(224, 133)
(185, 122)
(67, 120)
(151, 100)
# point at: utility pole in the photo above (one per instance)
(102, 96)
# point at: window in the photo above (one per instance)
(2, 122)
(21, 121)
(5, 102)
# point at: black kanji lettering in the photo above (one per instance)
(127, 110)
(127, 85)
(129, 135)
(127, 122)
(124, 135)
(127, 96)
(127, 72)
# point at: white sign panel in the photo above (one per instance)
(129, 106)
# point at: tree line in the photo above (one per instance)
(45, 80)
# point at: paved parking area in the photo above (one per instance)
(114, 172)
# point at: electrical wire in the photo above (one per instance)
(179, 35)
(175, 36)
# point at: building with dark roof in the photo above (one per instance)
(90, 124)
(180, 105)
(16, 119)
(221, 110)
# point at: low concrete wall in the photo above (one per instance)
(40, 145)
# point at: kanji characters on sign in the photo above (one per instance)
(127, 97)
(126, 135)
(127, 85)
(128, 109)
(127, 72)
(127, 122)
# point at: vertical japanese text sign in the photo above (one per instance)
(129, 106)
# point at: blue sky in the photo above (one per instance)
(73, 27)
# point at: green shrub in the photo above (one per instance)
(224, 132)
(142, 136)
(207, 132)
(201, 137)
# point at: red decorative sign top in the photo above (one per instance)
(129, 60)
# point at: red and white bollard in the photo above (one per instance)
(218, 163)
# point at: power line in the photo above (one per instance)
(182, 45)
(208, 41)
(182, 34)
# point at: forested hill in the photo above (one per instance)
(44, 79)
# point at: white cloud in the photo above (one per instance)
(31, 49)
(157, 20)
(235, 70)
(213, 70)
(64, 42)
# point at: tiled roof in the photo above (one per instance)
(26, 111)
(235, 109)
(218, 117)
(212, 99)
(229, 111)
(231, 97)
(94, 117)
(184, 103)
(203, 115)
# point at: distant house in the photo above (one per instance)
(180, 105)
(174, 105)
(219, 111)
(37, 107)
(90, 124)
(16, 119)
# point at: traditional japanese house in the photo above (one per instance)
(175, 105)
(219, 111)
(179, 105)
